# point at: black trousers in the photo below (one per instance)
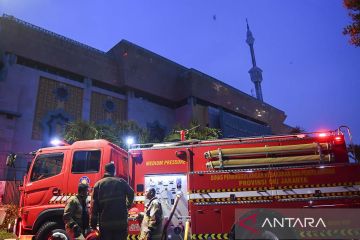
(111, 234)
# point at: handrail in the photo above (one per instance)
(140, 146)
(351, 144)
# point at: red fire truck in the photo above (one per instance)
(200, 182)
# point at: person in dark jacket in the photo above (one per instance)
(76, 217)
(112, 197)
(151, 225)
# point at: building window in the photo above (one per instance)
(86, 161)
(109, 106)
(47, 165)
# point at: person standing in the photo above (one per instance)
(151, 225)
(112, 197)
(76, 216)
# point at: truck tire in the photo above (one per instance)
(51, 231)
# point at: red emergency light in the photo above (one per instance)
(339, 139)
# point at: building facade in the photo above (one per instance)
(47, 80)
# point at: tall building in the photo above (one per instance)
(255, 71)
(47, 80)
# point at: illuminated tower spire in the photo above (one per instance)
(255, 72)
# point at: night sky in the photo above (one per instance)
(310, 71)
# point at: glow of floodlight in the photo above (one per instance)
(55, 142)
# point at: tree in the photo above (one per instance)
(195, 131)
(297, 129)
(108, 132)
(79, 130)
(202, 133)
(131, 128)
(174, 136)
(354, 28)
(156, 132)
(116, 133)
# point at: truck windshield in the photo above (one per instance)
(46, 165)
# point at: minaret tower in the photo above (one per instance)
(255, 72)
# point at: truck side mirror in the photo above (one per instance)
(10, 160)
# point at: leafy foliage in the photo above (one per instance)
(174, 136)
(4, 235)
(156, 132)
(80, 130)
(131, 128)
(297, 129)
(83, 130)
(10, 215)
(202, 133)
(108, 132)
(195, 131)
(354, 28)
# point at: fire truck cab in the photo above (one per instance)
(53, 178)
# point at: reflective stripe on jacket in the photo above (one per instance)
(73, 214)
(151, 226)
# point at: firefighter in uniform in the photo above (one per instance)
(112, 197)
(151, 225)
(76, 216)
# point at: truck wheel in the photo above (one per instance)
(51, 231)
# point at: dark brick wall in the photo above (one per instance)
(29, 41)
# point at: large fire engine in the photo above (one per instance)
(199, 183)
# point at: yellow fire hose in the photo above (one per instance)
(265, 161)
(266, 150)
(187, 226)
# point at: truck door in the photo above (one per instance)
(84, 167)
(46, 177)
(45, 180)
